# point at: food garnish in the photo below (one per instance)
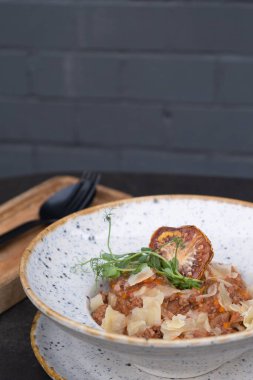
(111, 266)
(196, 249)
(169, 290)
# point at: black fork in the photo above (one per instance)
(64, 202)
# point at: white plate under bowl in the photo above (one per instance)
(65, 358)
(62, 295)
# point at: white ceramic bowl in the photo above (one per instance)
(59, 293)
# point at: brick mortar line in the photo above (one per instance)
(134, 3)
(128, 53)
(104, 52)
(177, 151)
(122, 101)
(124, 53)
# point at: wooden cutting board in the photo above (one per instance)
(21, 209)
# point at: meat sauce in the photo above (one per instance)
(181, 302)
(152, 307)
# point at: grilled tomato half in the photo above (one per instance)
(193, 254)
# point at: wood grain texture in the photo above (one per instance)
(21, 209)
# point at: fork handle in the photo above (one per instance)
(22, 228)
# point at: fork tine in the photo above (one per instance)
(84, 190)
(89, 197)
(85, 176)
(83, 194)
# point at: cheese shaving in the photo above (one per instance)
(114, 321)
(197, 321)
(248, 318)
(245, 309)
(220, 271)
(150, 313)
(143, 275)
(153, 294)
(152, 307)
(95, 302)
(112, 299)
(167, 291)
(223, 297)
(135, 327)
(212, 290)
(140, 292)
(171, 329)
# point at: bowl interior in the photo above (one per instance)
(48, 267)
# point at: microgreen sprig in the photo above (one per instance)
(108, 218)
(110, 266)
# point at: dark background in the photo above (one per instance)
(126, 85)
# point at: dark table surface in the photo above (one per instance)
(17, 361)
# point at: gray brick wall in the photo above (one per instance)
(126, 85)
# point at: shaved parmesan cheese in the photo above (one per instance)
(152, 294)
(138, 314)
(140, 292)
(216, 331)
(212, 290)
(112, 299)
(248, 303)
(237, 308)
(202, 322)
(242, 307)
(220, 271)
(245, 309)
(95, 302)
(171, 329)
(177, 321)
(225, 282)
(171, 334)
(144, 274)
(167, 291)
(135, 327)
(197, 321)
(153, 311)
(223, 297)
(150, 313)
(185, 324)
(248, 318)
(114, 321)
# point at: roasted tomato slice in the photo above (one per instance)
(193, 255)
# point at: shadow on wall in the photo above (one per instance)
(82, 87)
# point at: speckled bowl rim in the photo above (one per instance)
(118, 338)
(49, 370)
